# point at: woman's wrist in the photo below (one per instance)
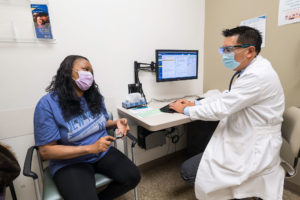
(115, 125)
(110, 124)
(88, 149)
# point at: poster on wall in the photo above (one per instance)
(289, 12)
(258, 23)
(41, 21)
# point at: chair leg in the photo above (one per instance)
(136, 193)
(2, 193)
(12, 191)
(133, 160)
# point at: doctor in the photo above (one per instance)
(242, 158)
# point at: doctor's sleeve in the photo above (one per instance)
(245, 92)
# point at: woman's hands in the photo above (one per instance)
(61, 152)
(101, 145)
(122, 126)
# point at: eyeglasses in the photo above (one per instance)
(229, 49)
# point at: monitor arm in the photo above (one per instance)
(142, 66)
(137, 86)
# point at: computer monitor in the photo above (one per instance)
(174, 65)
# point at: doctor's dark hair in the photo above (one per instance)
(62, 85)
(246, 35)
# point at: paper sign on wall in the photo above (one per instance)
(289, 12)
(258, 23)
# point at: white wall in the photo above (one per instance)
(112, 34)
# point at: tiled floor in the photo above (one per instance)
(163, 182)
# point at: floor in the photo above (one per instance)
(163, 182)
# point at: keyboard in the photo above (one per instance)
(168, 110)
(199, 98)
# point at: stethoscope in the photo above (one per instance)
(234, 75)
(238, 73)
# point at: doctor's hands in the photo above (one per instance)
(186, 102)
(180, 104)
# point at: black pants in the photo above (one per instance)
(77, 181)
(190, 167)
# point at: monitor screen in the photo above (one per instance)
(173, 65)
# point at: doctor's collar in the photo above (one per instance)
(252, 61)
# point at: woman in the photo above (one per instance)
(70, 125)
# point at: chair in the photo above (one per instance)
(50, 192)
(291, 133)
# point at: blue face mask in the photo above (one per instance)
(229, 62)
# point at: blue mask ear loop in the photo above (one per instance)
(234, 75)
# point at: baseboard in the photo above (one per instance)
(159, 161)
(293, 187)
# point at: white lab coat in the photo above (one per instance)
(242, 158)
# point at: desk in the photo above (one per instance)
(155, 122)
(199, 132)
(158, 121)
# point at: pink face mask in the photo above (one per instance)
(85, 80)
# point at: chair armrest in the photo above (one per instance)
(288, 168)
(27, 164)
(132, 138)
